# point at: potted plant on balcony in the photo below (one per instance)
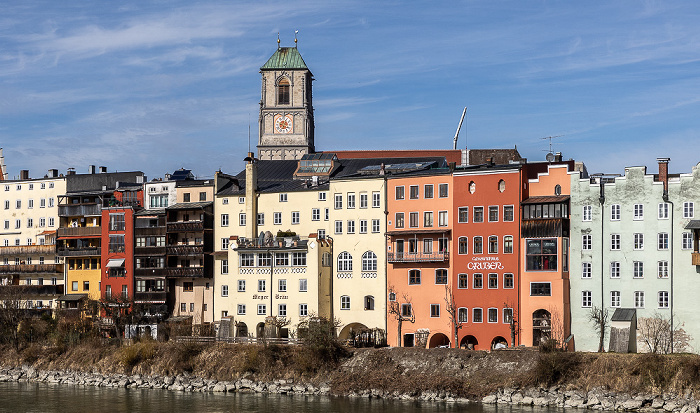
(288, 237)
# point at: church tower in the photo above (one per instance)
(286, 123)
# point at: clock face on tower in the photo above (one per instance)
(283, 124)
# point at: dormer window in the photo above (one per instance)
(283, 92)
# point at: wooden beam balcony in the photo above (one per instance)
(30, 268)
(418, 257)
(149, 251)
(150, 272)
(28, 249)
(185, 250)
(79, 252)
(696, 258)
(80, 231)
(190, 226)
(186, 272)
(31, 290)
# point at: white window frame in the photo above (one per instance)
(638, 214)
(688, 209)
(587, 213)
(615, 299)
(615, 212)
(586, 270)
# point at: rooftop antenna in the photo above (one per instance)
(454, 144)
(248, 131)
(295, 37)
(550, 154)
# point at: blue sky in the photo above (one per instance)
(158, 85)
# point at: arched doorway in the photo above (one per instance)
(260, 330)
(498, 343)
(351, 330)
(541, 326)
(439, 340)
(241, 329)
(469, 342)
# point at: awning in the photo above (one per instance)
(693, 224)
(115, 263)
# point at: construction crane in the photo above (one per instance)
(454, 144)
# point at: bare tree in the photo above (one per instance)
(276, 324)
(117, 311)
(453, 314)
(655, 333)
(513, 322)
(396, 310)
(600, 318)
(13, 303)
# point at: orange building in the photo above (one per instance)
(419, 226)
(486, 254)
(544, 296)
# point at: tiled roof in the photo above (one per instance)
(451, 155)
(190, 205)
(554, 199)
(285, 58)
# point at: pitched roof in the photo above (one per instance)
(498, 156)
(285, 58)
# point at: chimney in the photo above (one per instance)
(382, 169)
(663, 172)
(70, 171)
(24, 174)
(251, 186)
(452, 165)
(91, 169)
(103, 169)
(558, 157)
(489, 161)
(53, 173)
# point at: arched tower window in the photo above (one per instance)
(283, 92)
(369, 261)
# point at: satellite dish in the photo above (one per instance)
(550, 157)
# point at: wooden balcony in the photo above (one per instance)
(30, 269)
(150, 297)
(150, 272)
(186, 272)
(80, 231)
(185, 250)
(696, 258)
(28, 250)
(79, 252)
(191, 226)
(31, 290)
(79, 210)
(149, 251)
(418, 257)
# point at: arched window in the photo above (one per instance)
(344, 261)
(557, 189)
(369, 302)
(369, 261)
(501, 185)
(283, 92)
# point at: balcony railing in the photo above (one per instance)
(30, 290)
(149, 231)
(28, 249)
(185, 250)
(149, 251)
(696, 258)
(79, 231)
(79, 252)
(77, 210)
(30, 268)
(185, 226)
(186, 272)
(281, 242)
(150, 272)
(418, 257)
(150, 296)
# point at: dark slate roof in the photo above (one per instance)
(95, 182)
(285, 58)
(194, 182)
(149, 212)
(181, 174)
(553, 199)
(190, 205)
(693, 224)
(624, 314)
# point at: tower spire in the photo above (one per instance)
(295, 37)
(278, 40)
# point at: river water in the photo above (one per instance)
(44, 397)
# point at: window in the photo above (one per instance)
(283, 198)
(508, 244)
(614, 299)
(18, 204)
(351, 226)
(30, 224)
(224, 290)
(427, 245)
(477, 315)
(262, 285)
(478, 245)
(321, 233)
(688, 210)
(18, 224)
(369, 303)
(375, 225)
(428, 191)
(7, 204)
(493, 281)
(540, 289)
(116, 243)
(508, 213)
(406, 310)
(493, 244)
(687, 243)
(224, 266)
(586, 299)
(202, 196)
(261, 219)
(427, 219)
(663, 269)
(183, 306)
(241, 219)
(414, 277)
(463, 245)
(224, 201)
(315, 214)
(638, 211)
(587, 213)
(283, 95)
(246, 260)
(478, 214)
(614, 269)
(224, 220)
(74, 286)
(369, 261)
(344, 302)
(282, 310)
(586, 270)
(303, 310)
(478, 281)
(638, 241)
(338, 227)
(413, 192)
(400, 192)
(663, 211)
(413, 219)
(434, 310)
(351, 200)
(463, 281)
(186, 197)
(30, 204)
(493, 315)
(662, 241)
(303, 285)
(282, 260)
(241, 200)
(587, 242)
(663, 299)
(298, 259)
(442, 218)
(363, 200)
(638, 269)
(376, 199)
(463, 215)
(441, 276)
(639, 299)
(262, 309)
(344, 261)
(443, 188)
(224, 243)
(399, 220)
(493, 214)
(615, 212)
(295, 217)
(614, 241)
(508, 281)
(277, 218)
(50, 202)
(321, 196)
(507, 315)
(462, 316)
